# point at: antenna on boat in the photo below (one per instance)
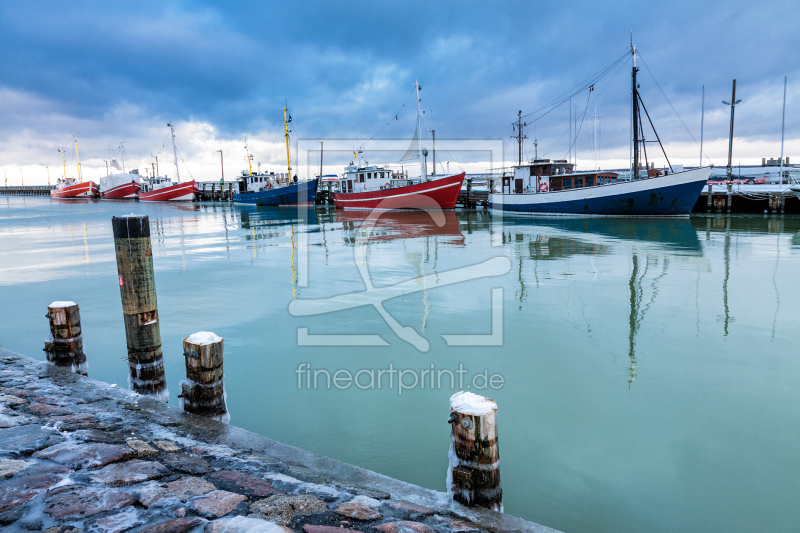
(286, 120)
(422, 174)
(635, 104)
(77, 159)
(249, 157)
(175, 152)
(519, 136)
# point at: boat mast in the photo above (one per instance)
(635, 103)
(422, 175)
(77, 159)
(702, 120)
(64, 162)
(288, 160)
(249, 159)
(175, 152)
(783, 128)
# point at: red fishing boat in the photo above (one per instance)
(72, 188)
(390, 192)
(161, 189)
(371, 187)
(119, 186)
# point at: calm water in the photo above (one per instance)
(650, 368)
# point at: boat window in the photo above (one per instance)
(361, 177)
(589, 181)
(567, 183)
(578, 182)
(381, 175)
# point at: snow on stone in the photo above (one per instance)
(203, 337)
(471, 404)
(65, 303)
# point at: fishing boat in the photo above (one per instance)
(275, 189)
(554, 188)
(70, 187)
(161, 188)
(371, 187)
(124, 186)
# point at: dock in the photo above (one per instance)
(27, 190)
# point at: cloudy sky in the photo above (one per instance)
(117, 72)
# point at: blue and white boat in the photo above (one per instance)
(554, 188)
(275, 189)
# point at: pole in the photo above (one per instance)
(433, 135)
(320, 157)
(288, 159)
(423, 176)
(635, 104)
(77, 159)
(702, 120)
(473, 476)
(783, 129)
(730, 148)
(203, 390)
(48, 173)
(64, 162)
(175, 153)
(65, 347)
(221, 166)
(137, 287)
(570, 130)
(21, 178)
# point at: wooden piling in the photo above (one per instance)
(473, 476)
(203, 390)
(137, 289)
(65, 347)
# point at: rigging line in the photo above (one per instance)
(654, 131)
(275, 123)
(670, 104)
(184, 162)
(395, 115)
(559, 100)
(446, 150)
(583, 118)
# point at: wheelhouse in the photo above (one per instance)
(543, 175)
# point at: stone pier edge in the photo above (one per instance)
(240, 438)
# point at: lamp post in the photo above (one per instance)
(21, 178)
(48, 176)
(732, 105)
(221, 166)
(320, 157)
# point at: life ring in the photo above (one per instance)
(543, 187)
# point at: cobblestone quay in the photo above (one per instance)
(80, 455)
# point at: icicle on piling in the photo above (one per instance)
(137, 289)
(203, 390)
(65, 347)
(473, 475)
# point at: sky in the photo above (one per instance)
(117, 72)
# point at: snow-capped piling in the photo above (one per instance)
(65, 347)
(203, 390)
(137, 288)
(473, 475)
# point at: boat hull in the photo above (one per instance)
(87, 189)
(796, 191)
(301, 193)
(670, 195)
(181, 192)
(443, 191)
(126, 191)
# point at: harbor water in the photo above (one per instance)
(646, 370)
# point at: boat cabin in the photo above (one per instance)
(543, 175)
(370, 178)
(158, 182)
(259, 182)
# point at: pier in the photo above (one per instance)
(27, 190)
(120, 458)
